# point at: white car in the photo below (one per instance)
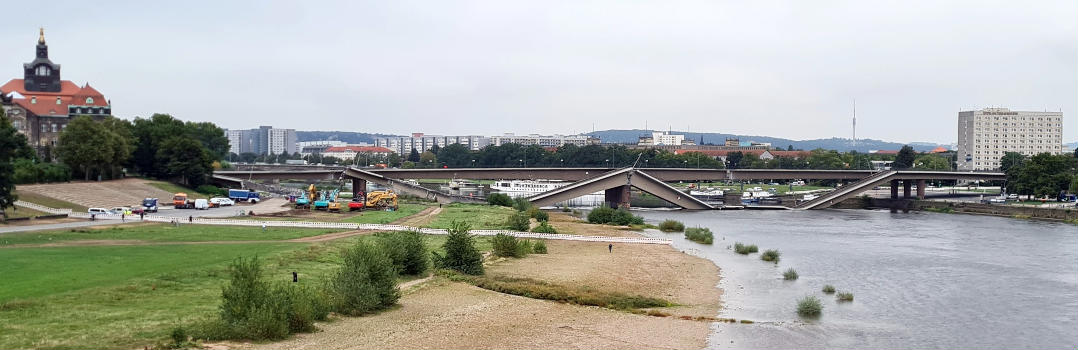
(98, 211)
(221, 201)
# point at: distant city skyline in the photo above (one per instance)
(787, 70)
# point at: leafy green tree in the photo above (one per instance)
(1011, 160)
(931, 162)
(733, 160)
(413, 156)
(455, 156)
(825, 159)
(211, 136)
(1045, 175)
(428, 160)
(12, 145)
(186, 159)
(150, 133)
(88, 147)
(366, 282)
(905, 158)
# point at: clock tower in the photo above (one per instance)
(41, 74)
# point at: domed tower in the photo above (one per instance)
(41, 74)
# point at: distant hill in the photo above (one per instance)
(838, 144)
(344, 136)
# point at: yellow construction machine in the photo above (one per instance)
(381, 200)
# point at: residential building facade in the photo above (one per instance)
(41, 104)
(422, 142)
(985, 135)
(664, 139)
(264, 140)
(348, 153)
(544, 140)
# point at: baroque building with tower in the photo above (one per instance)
(41, 104)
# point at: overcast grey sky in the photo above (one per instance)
(785, 69)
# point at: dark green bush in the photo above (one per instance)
(522, 204)
(518, 221)
(253, 309)
(540, 215)
(770, 255)
(505, 246)
(809, 306)
(844, 296)
(500, 199)
(460, 251)
(539, 247)
(828, 289)
(524, 247)
(607, 215)
(27, 171)
(745, 249)
(407, 251)
(699, 235)
(366, 281)
(671, 226)
(210, 190)
(544, 227)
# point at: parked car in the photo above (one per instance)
(97, 211)
(221, 201)
(997, 200)
(201, 204)
(1012, 196)
(120, 210)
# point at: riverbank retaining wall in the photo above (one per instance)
(961, 207)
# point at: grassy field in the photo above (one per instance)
(385, 217)
(174, 188)
(133, 296)
(479, 216)
(49, 201)
(163, 233)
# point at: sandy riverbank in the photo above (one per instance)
(444, 314)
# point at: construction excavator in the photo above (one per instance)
(304, 200)
(382, 200)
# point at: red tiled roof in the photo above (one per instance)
(939, 149)
(791, 154)
(358, 149)
(44, 103)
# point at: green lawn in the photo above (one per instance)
(479, 216)
(133, 296)
(174, 188)
(49, 201)
(385, 217)
(164, 233)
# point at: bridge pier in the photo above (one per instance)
(358, 186)
(907, 187)
(894, 189)
(617, 197)
(921, 189)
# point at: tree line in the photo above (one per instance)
(1041, 175)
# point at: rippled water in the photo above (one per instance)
(920, 280)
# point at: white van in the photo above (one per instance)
(202, 204)
(98, 211)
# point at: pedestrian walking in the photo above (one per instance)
(610, 247)
(141, 215)
(191, 218)
(93, 217)
(123, 217)
(263, 227)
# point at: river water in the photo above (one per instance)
(920, 280)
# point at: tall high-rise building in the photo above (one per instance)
(984, 136)
(264, 140)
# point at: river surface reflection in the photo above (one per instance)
(920, 280)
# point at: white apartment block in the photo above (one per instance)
(664, 138)
(543, 140)
(282, 141)
(984, 136)
(420, 142)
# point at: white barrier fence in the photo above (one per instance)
(42, 208)
(371, 227)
